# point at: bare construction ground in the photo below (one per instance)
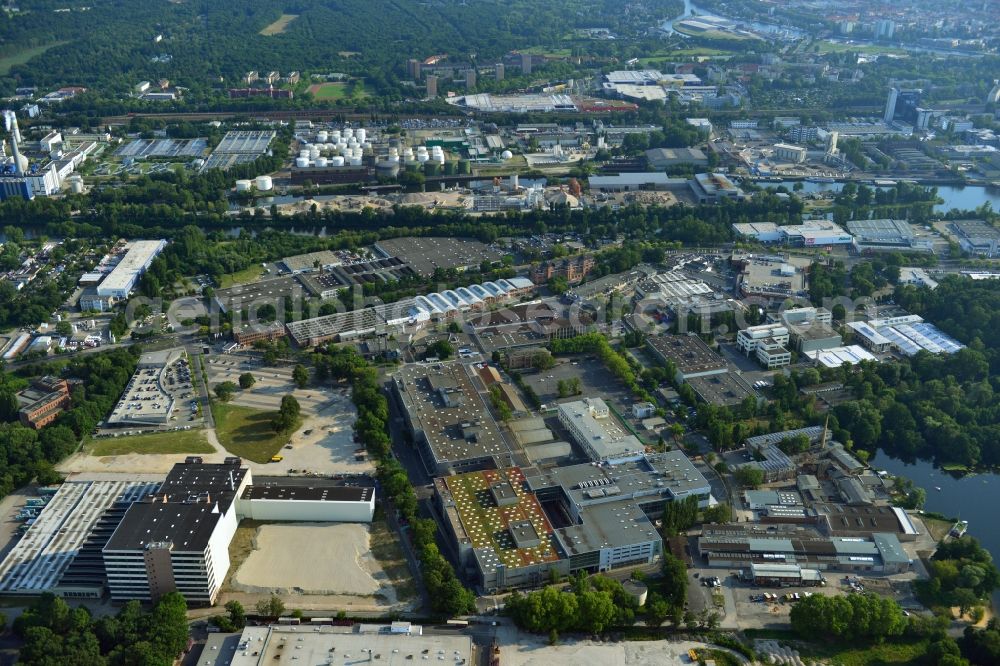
(314, 558)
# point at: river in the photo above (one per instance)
(968, 197)
(974, 498)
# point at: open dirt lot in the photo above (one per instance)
(313, 558)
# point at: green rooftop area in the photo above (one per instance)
(488, 524)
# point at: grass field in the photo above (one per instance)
(279, 26)
(247, 432)
(181, 441)
(328, 91)
(333, 91)
(25, 55)
(251, 274)
(938, 529)
(386, 549)
(869, 655)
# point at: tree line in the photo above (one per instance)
(447, 594)
(55, 634)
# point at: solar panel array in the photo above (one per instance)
(911, 338)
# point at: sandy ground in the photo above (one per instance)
(313, 558)
(352, 202)
(520, 649)
(328, 416)
(272, 384)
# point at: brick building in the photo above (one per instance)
(43, 401)
(573, 269)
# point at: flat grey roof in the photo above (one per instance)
(722, 388)
(425, 254)
(273, 291)
(463, 431)
(642, 178)
(688, 352)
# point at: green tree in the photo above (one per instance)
(272, 607)
(441, 350)
(247, 380)
(225, 391)
(288, 414)
(300, 375)
(749, 477)
(236, 613)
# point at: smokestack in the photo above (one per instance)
(10, 120)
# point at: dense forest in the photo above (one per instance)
(111, 45)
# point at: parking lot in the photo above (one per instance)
(595, 381)
(159, 396)
(324, 443)
(743, 605)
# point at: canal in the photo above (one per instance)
(968, 197)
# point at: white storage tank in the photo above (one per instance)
(264, 183)
(243, 185)
(304, 152)
(355, 161)
(302, 162)
(361, 135)
(423, 157)
(75, 184)
(321, 137)
(321, 162)
(506, 155)
(337, 161)
(347, 133)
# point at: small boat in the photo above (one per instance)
(937, 488)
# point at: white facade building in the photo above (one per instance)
(749, 338)
(123, 279)
(593, 428)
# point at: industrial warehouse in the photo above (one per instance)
(140, 540)
(409, 314)
(513, 527)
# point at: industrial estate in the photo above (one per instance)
(549, 332)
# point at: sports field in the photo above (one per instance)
(333, 91)
(328, 91)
